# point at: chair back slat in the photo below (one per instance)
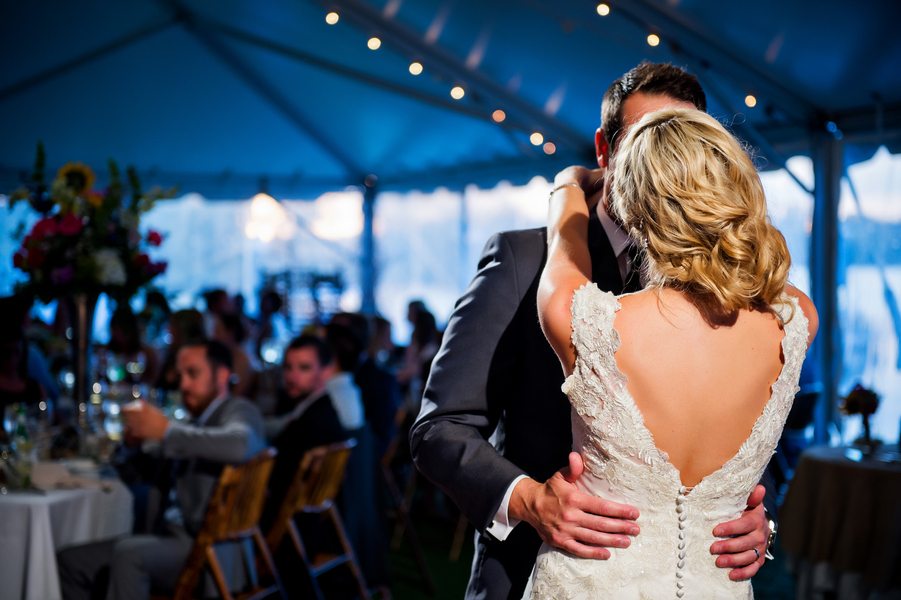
(322, 475)
(316, 484)
(233, 513)
(237, 502)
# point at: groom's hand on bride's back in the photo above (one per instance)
(572, 520)
(746, 534)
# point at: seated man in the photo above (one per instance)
(312, 420)
(223, 430)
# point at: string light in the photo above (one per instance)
(498, 116)
(750, 100)
(416, 68)
(374, 43)
(536, 139)
(653, 40)
(457, 93)
(603, 10)
(549, 148)
(331, 18)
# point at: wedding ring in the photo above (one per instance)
(757, 553)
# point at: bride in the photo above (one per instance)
(680, 392)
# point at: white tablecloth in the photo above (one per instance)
(34, 527)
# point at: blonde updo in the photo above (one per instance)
(687, 192)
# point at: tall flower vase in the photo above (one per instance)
(867, 438)
(81, 307)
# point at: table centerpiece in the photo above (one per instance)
(87, 242)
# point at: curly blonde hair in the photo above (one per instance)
(689, 194)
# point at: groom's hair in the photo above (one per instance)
(653, 79)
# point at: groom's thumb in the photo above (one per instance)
(756, 496)
(574, 471)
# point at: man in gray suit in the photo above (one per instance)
(223, 430)
(495, 433)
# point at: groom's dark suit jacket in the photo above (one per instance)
(493, 409)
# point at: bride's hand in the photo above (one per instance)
(590, 180)
(569, 519)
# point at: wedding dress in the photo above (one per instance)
(671, 556)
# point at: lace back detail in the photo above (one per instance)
(671, 557)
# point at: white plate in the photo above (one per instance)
(79, 465)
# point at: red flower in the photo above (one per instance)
(154, 238)
(35, 258)
(43, 228)
(70, 224)
(142, 260)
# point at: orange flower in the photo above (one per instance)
(95, 199)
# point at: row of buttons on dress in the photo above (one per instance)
(680, 510)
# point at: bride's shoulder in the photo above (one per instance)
(807, 307)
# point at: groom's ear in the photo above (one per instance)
(601, 148)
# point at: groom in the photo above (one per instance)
(494, 432)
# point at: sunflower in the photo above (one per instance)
(78, 177)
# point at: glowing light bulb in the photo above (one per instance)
(750, 100)
(374, 43)
(416, 68)
(603, 10)
(549, 148)
(331, 18)
(457, 93)
(536, 138)
(653, 40)
(498, 116)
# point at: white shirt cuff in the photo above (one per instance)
(502, 524)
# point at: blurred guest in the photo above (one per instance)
(345, 394)
(226, 430)
(126, 347)
(155, 316)
(424, 343)
(17, 309)
(358, 499)
(310, 421)
(270, 323)
(217, 304)
(381, 346)
(230, 331)
(378, 388)
(184, 326)
(240, 310)
(413, 310)
(16, 386)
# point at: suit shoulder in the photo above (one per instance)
(521, 238)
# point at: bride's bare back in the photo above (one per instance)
(699, 388)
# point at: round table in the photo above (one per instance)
(34, 526)
(841, 523)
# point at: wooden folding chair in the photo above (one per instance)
(403, 526)
(313, 491)
(233, 515)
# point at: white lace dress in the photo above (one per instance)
(671, 556)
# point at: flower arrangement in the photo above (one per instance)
(87, 240)
(860, 401)
(864, 402)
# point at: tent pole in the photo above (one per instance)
(463, 265)
(367, 257)
(827, 167)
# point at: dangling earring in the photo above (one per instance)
(644, 240)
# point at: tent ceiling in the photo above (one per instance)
(214, 95)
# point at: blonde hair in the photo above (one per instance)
(688, 193)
